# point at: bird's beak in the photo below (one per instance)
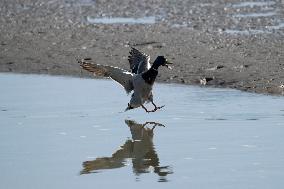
(167, 64)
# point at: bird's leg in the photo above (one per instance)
(153, 123)
(156, 107)
(148, 111)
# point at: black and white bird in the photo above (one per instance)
(140, 80)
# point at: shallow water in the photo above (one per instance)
(267, 30)
(58, 132)
(253, 4)
(121, 20)
(230, 18)
(246, 11)
(255, 14)
(246, 32)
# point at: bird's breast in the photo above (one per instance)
(142, 88)
(150, 76)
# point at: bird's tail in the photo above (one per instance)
(97, 69)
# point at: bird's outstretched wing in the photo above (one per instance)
(121, 76)
(139, 61)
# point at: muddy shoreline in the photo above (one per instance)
(46, 37)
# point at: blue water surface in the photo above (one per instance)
(61, 132)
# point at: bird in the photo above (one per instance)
(139, 79)
(140, 149)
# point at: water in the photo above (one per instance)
(58, 132)
(267, 30)
(252, 4)
(255, 14)
(121, 20)
(246, 32)
(230, 18)
(265, 10)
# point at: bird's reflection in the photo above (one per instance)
(140, 150)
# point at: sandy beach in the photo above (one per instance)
(213, 43)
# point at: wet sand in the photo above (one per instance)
(213, 43)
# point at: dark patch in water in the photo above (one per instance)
(252, 119)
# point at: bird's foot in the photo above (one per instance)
(153, 123)
(159, 107)
(155, 109)
(148, 111)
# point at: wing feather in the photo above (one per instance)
(121, 76)
(139, 61)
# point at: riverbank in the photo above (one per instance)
(46, 37)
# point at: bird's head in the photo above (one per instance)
(162, 61)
